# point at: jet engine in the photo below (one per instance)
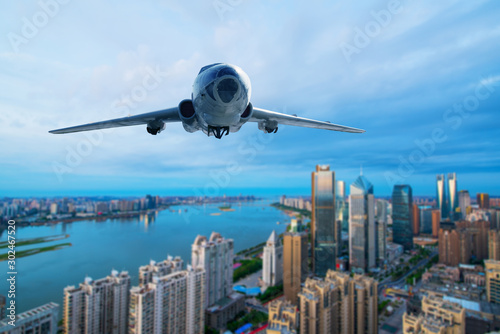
(245, 116)
(155, 127)
(268, 126)
(187, 115)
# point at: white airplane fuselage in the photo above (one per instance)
(221, 98)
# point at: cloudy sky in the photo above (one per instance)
(422, 77)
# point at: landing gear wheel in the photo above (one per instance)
(271, 130)
(218, 131)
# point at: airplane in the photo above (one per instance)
(219, 104)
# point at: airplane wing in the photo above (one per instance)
(165, 115)
(262, 115)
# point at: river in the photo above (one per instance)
(125, 244)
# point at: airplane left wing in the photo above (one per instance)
(165, 115)
(271, 119)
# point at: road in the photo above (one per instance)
(402, 279)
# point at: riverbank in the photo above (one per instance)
(101, 217)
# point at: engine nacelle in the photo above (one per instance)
(247, 114)
(187, 115)
(155, 127)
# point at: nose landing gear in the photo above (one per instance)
(218, 131)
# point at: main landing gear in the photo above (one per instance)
(218, 131)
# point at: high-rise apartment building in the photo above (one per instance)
(461, 241)
(170, 304)
(99, 306)
(494, 245)
(339, 304)
(215, 256)
(441, 197)
(453, 204)
(492, 269)
(416, 219)
(272, 264)
(326, 232)
(40, 320)
(483, 200)
(436, 222)
(464, 203)
(362, 234)
(438, 316)
(319, 307)
(295, 266)
(283, 318)
(402, 216)
(163, 268)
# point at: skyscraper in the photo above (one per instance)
(464, 202)
(381, 210)
(441, 196)
(99, 306)
(402, 201)
(295, 267)
(381, 241)
(483, 200)
(341, 206)
(340, 190)
(272, 266)
(325, 229)
(362, 244)
(453, 196)
(436, 221)
(416, 219)
(170, 304)
(215, 256)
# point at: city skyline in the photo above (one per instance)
(405, 86)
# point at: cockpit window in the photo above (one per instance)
(207, 67)
(226, 89)
(227, 71)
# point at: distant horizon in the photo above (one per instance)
(190, 193)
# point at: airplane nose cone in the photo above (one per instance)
(227, 89)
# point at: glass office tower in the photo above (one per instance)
(441, 198)
(362, 242)
(402, 216)
(325, 232)
(452, 196)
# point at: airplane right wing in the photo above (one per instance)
(156, 118)
(271, 119)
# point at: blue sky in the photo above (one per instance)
(423, 78)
